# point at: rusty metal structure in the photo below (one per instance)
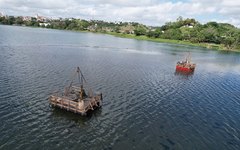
(75, 98)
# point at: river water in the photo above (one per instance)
(146, 104)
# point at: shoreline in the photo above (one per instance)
(208, 46)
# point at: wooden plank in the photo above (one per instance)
(73, 106)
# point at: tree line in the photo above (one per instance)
(181, 29)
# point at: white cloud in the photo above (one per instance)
(150, 12)
(231, 3)
(43, 4)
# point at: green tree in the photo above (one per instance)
(19, 20)
(140, 31)
(10, 20)
(211, 35)
(155, 34)
(72, 26)
(186, 33)
(172, 34)
(117, 29)
(228, 42)
(3, 20)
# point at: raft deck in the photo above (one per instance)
(76, 106)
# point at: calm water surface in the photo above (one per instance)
(146, 104)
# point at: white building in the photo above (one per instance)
(41, 18)
(27, 18)
(2, 14)
(44, 24)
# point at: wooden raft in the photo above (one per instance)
(80, 107)
(75, 99)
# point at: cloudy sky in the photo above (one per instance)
(149, 12)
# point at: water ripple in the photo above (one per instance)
(146, 104)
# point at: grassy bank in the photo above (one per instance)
(204, 45)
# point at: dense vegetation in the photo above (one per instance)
(221, 35)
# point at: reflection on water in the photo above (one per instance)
(59, 113)
(184, 74)
(146, 104)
